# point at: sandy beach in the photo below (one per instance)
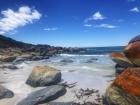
(93, 75)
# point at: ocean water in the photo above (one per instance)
(92, 69)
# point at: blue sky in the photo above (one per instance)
(75, 23)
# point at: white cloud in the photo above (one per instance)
(95, 16)
(105, 26)
(88, 25)
(11, 20)
(135, 9)
(51, 29)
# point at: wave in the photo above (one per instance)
(72, 55)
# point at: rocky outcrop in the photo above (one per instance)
(7, 58)
(9, 48)
(44, 75)
(44, 95)
(125, 90)
(5, 93)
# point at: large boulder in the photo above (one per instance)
(5, 93)
(117, 96)
(125, 90)
(44, 95)
(132, 51)
(129, 80)
(43, 76)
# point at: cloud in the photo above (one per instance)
(105, 26)
(51, 29)
(11, 20)
(88, 25)
(95, 16)
(135, 9)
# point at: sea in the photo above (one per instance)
(92, 68)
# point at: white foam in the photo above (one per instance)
(87, 75)
(72, 55)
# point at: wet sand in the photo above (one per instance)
(86, 76)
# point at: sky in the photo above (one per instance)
(71, 23)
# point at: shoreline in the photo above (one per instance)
(67, 76)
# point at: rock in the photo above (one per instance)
(92, 60)
(5, 93)
(66, 61)
(121, 62)
(117, 96)
(9, 66)
(22, 58)
(44, 95)
(125, 89)
(132, 51)
(6, 58)
(135, 39)
(37, 57)
(119, 68)
(44, 75)
(120, 58)
(59, 103)
(29, 57)
(129, 80)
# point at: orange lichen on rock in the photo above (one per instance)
(116, 55)
(132, 50)
(129, 81)
(119, 58)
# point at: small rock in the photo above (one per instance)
(9, 66)
(44, 75)
(7, 58)
(37, 58)
(66, 61)
(44, 95)
(59, 103)
(5, 93)
(92, 60)
(22, 58)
